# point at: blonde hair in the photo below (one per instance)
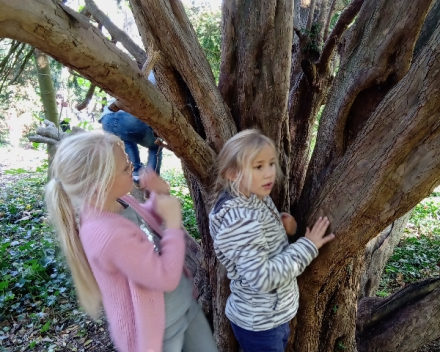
(82, 169)
(236, 159)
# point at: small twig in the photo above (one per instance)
(152, 57)
(88, 98)
(329, 18)
(22, 66)
(311, 15)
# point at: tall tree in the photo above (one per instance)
(47, 92)
(377, 149)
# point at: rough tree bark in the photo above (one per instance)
(377, 148)
(383, 323)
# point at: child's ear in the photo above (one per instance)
(231, 175)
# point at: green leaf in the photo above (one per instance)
(46, 326)
(32, 344)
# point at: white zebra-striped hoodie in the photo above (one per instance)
(251, 242)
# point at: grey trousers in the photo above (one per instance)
(191, 333)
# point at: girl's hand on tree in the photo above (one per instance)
(316, 235)
(289, 223)
(148, 179)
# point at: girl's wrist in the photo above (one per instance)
(173, 224)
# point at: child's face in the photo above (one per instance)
(122, 183)
(262, 174)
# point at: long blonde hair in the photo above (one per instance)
(236, 159)
(82, 169)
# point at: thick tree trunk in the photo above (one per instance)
(205, 257)
(257, 34)
(215, 289)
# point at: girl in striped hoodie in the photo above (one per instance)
(250, 241)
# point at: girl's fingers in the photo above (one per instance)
(321, 224)
(328, 238)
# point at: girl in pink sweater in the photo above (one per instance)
(126, 256)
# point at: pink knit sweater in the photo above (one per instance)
(131, 275)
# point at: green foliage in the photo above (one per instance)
(180, 190)
(425, 218)
(341, 346)
(206, 23)
(4, 131)
(20, 95)
(18, 171)
(36, 289)
(334, 20)
(78, 85)
(417, 256)
(32, 276)
(86, 125)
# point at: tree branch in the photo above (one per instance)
(404, 321)
(367, 73)
(346, 18)
(311, 15)
(5, 64)
(377, 253)
(414, 122)
(169, 81)
(329, 19)
(71, 39)
(117, 34)
(86, 101)
(22, 65)
(184, 53)
(426, 31)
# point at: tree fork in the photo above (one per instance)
(308, 91)
(185, 54)
(367, 72)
